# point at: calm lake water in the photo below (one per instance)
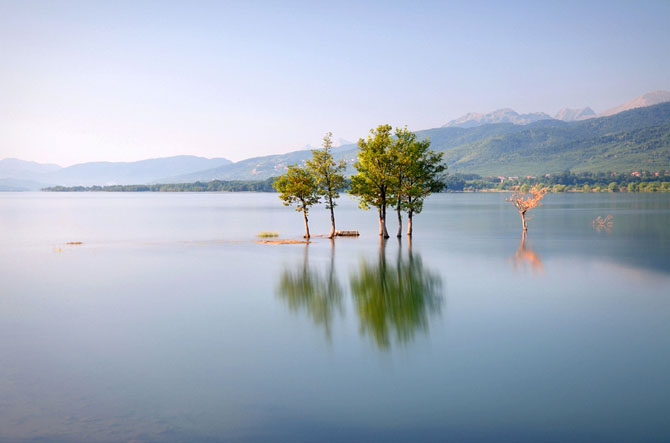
(169, 323)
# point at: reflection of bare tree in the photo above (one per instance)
(606, 223)
(395, 298)
(320, 295)
(526, 256)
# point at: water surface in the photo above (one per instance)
(170, 323)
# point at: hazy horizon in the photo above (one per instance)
(130, 81)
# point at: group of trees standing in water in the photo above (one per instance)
(394, 169)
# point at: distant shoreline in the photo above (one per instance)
(566, 181)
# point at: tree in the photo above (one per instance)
(418, 173)
(524, 202)
(374, 181)
(329, 176)
(297, 186)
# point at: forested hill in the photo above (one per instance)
(638, 139)
(633, 140)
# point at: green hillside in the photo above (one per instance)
(636, 139)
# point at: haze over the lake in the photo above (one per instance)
(123, 81)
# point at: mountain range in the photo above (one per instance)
(23, 175)
(508, 115)
(505, 115)
(634, 135)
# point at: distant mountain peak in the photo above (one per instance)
(340, 142)
(504, 115)
(571, 115)
(648, 99)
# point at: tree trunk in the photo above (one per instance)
(409, 222)
(523, 221)
(382, 223)
(399, 222)
(332, 218)
(306, 225)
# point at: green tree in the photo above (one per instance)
(418, 173)
(298, 186)
(613, 187)
(374, 181)
(329, 176)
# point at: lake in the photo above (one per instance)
(170, 323)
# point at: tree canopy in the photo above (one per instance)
(375, 177)
(298, 187)
(418, 172)
(329, 176)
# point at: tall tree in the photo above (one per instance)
(374, 180)
(418, 172)
(329, 176)
(297, 186)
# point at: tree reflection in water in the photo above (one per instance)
(526, 256)
(395, 297)
(392, 298)
(320, 295)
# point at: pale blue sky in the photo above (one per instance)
(122, 81)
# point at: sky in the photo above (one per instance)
(125, 81)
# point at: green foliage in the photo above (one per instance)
(417, 170)
(328, 174)
(640, 181)
(372, 184)
(297, 187)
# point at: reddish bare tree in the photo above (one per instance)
(525, 201)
